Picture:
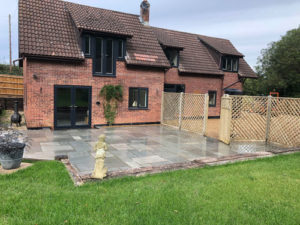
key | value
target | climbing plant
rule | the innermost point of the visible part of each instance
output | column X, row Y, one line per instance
column 112, row 95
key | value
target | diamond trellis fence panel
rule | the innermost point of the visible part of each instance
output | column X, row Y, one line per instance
column 252, row 118
column 249, row 118
column 185, row 111
column 285, row 122
column 193, row 113
column 170, row 109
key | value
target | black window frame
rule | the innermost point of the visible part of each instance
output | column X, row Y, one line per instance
column 123, row 49
column 89, row 54
column 174, row 88
column 166, row 50
column 231, row 58
column 138, row 103
column 215, row 93
column 115, row 52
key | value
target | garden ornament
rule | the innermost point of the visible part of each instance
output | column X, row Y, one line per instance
column 100, row 148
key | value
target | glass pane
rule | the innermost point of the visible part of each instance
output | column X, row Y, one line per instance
column 235, row 64
column 212, row 98
column 143, row 98
column 120, row 49
column 224, row 63
column 82, row 112
column 63, row 107
column 87, row 45
column 98, row 60
column 133, row 97
column 109, row 56
column 229, row 65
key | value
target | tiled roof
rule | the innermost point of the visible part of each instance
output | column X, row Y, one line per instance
column 95, row 19
column 167, row 39
column 51, row 28
column 221, row 45
column 143, row 41
column 45, row 29
column 195, row 57
column 245, row 70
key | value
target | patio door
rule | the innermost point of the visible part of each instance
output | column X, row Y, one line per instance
column 72, row 107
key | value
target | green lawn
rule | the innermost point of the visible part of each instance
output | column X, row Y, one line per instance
column 265, row 191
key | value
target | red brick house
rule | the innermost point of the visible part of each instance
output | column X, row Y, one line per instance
column 71, row 51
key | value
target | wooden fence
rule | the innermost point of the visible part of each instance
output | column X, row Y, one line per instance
column 11, row 86
column 185, row 111
column 255, row 118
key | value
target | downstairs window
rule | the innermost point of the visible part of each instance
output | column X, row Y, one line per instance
column 138, row 98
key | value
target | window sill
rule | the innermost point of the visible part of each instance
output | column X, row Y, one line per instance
column 104, row 75
column 212, row 106
column 137, row 108
column 230, row 71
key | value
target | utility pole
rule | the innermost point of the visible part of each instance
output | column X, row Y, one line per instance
column 10, row 59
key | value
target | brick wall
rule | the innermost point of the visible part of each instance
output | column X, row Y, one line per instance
column 230, row 78
column 39, row 93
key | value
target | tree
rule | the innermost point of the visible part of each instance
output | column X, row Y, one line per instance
column 278, row 68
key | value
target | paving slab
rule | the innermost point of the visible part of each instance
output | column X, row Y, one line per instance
column 135, row 147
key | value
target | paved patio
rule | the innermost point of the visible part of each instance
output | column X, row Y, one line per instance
column 132, row 147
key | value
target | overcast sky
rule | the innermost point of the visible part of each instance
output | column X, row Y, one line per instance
column 250, row 25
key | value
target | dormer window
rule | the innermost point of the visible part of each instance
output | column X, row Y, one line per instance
column 87, row 45
column 173, row 56
column 230, row 63
column 105, row 51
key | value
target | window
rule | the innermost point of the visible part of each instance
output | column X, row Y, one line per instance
column 104, row 61
column 98, row 56
column 178, row 88
column 230, row 63
column 120, row 49
column 173, row 56
column 109, row 56
column 104, row 51
column 212, row 98
column 138, row 98
column 87, row 45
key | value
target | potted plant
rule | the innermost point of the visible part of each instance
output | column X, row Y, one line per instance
column 12, row 144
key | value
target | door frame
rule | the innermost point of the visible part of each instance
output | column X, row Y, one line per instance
column 73, row 112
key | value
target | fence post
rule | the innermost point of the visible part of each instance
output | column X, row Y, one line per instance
column 206, row 99
column 269, row 109
column 180, row 110
column 162, row 108
column 225, row 121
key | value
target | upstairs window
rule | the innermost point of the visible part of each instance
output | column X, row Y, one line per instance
column 173, row 56
column 87, row 45
column 230, row 63
column 121, row 49
column 104, row 51
column 138, row 98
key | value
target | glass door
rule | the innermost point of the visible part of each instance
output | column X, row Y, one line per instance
column 82, row 106
column 72, row 107
column 63, row 107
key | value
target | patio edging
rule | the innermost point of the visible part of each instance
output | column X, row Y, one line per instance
column 198, row 163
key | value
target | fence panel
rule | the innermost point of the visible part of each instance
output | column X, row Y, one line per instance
column 249, row 118
column 11, row 86
column 274, row 120
column 185, row 111
column 193, row 113
column 285, row 122
column 170, row 109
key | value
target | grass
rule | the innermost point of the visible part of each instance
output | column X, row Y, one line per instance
column 265, row 191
